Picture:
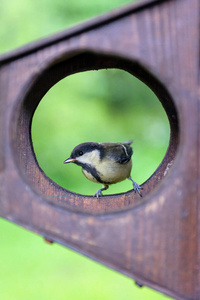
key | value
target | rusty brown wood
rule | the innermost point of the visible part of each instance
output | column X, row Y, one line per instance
column 156, row 240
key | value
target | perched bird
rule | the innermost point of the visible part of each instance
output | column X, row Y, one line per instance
column 105, row 163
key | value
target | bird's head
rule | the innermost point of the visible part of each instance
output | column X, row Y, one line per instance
column 86, row 153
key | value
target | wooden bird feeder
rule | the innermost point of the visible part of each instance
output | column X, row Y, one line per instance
column 154, row 241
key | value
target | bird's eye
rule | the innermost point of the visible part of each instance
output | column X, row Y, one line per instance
column 80, row 153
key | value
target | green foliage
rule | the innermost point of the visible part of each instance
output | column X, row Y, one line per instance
column 93, row 106
column 24, row 21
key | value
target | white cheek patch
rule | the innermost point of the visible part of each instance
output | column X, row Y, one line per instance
column 92, row 157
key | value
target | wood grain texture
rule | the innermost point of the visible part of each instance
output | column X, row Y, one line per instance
column 156, row 240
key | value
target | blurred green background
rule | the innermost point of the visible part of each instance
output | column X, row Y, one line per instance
column 99, row 106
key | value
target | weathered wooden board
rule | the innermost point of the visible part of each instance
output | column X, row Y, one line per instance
column 156, row 240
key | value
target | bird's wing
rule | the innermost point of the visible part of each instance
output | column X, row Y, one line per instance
column 121, row 153
column 126, row 153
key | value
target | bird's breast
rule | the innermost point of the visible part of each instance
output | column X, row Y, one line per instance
column 109, row 172
column 90, row 176
column 114, row 172
column 104, row 170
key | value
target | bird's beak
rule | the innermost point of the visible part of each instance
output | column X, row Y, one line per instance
column 69, row 160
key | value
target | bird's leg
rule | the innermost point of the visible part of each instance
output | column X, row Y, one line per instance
column 136, row 186
column 99, row 192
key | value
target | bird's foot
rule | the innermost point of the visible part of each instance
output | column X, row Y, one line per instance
column 136, row 187
column 98, row 193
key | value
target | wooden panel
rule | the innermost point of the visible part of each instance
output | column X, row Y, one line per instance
column 154, row 240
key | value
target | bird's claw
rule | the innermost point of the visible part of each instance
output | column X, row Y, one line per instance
column 98, row 194
column 136, row 187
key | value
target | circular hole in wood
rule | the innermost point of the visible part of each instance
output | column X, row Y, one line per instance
column 99, row 106
column 110, row 105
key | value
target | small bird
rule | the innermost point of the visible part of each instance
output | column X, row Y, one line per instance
column 105, row 163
